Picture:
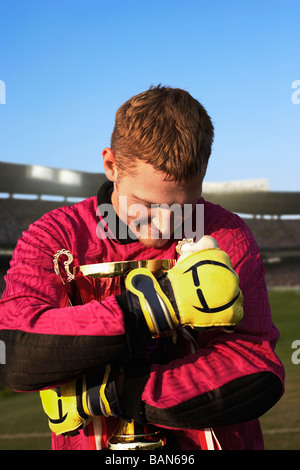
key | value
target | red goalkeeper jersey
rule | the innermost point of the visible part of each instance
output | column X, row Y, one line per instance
column 207, row 390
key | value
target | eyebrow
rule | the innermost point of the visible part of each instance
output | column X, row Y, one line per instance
column 149, row 203
column 143, row 201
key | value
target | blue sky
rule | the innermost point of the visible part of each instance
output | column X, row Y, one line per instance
column 68, row 65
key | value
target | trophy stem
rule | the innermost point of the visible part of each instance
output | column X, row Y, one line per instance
column 132, row 436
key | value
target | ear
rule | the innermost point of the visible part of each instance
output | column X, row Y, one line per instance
column 109, row 163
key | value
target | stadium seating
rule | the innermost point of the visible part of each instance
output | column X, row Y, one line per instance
column 277, row 236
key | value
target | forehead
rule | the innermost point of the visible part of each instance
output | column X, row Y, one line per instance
column 149, row 186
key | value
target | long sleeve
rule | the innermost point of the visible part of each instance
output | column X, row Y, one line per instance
column 47, row 341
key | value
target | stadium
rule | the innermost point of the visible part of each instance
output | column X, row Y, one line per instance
column 29, row 191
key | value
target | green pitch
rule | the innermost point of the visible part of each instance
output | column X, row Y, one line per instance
column 281, row 425
column 23, row 424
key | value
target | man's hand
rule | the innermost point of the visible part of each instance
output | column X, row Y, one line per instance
column 70, row 406
column 201, row 290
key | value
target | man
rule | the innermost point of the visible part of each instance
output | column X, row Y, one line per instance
column 122, row 346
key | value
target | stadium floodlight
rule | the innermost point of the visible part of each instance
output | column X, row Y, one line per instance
column 75, row 199
column 25, row 196
column 41, row 172
column 69, row 177
column 50, row 197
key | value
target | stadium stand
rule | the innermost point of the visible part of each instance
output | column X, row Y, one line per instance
column 29, row 191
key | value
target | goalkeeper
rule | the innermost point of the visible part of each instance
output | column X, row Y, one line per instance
column 159, row 352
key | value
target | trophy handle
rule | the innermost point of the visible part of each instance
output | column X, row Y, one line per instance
column 67, row 263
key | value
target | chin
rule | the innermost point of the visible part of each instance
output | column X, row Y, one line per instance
column 154, row 243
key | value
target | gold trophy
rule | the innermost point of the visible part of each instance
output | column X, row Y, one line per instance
column 89, row 282
column 133, row 436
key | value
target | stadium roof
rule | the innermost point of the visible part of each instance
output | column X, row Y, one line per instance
column 259, row 202
column 42, row 180
column 245, row 197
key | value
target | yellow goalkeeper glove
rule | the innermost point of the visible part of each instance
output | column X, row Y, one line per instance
column 201, row 290
column 71, row 406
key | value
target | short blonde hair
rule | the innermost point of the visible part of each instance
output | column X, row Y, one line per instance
column 167, row 128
